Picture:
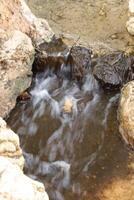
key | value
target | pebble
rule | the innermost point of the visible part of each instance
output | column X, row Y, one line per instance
column 114, row 36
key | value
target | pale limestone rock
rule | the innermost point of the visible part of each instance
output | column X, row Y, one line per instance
column 9, row 145
column 130, row 25
column 16, row 57
column 17, row 48
column 126, row 113
column 68, row 105
column 40, row 30
column 3, row 124
column 131, row 6
column 15, row 15
column 130, row 22
column 14, row 185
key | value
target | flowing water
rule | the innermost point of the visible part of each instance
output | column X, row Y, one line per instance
column 75, row 153
column 72, row 153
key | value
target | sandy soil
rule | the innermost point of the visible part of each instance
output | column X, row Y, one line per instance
column 93, row 21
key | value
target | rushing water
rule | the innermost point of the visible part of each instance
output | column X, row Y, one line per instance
column 78, row 153
column 71, row 153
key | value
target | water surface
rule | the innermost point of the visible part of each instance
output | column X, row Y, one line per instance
column 74, row 154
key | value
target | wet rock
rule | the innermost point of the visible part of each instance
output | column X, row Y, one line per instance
column 23, row 97
column 51, row 60
column 16, row 57
column 70, row 63
column 80, row 62
column 47, row 62
column 14, row 185
column 111, row 70
column 9, row 145
column 131, row 67
column 126, row 113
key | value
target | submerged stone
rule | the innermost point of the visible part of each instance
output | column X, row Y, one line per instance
column 68, row 105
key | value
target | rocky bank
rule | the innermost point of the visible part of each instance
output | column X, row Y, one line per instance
column 14, row 185
column 20, row 32
column 126, row 104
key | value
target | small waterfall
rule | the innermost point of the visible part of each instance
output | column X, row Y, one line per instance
column 62, row 129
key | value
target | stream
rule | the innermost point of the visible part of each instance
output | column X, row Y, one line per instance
column 69, row 134
column 72, row 153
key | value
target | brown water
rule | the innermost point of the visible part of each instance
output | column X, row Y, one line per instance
column 92, row 20
column 74, row 154
column 81, row 154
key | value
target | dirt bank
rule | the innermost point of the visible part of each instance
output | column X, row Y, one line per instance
column 99, row 21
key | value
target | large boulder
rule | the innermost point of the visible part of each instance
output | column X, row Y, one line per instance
column 17, row 22
column 14, row 185
column 126, row 113
column 16, row 15
column 9, row 145
column 39, row 29
column 16, row 57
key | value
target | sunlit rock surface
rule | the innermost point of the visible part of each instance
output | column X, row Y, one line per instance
column 20, row 32
column 9, row 145
column 39, row 28
column 130, row 22
column 14, row 185
column 16, row 57
column 130, row 25
column 126, row 113
column 131, row 6
column 15, row 15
